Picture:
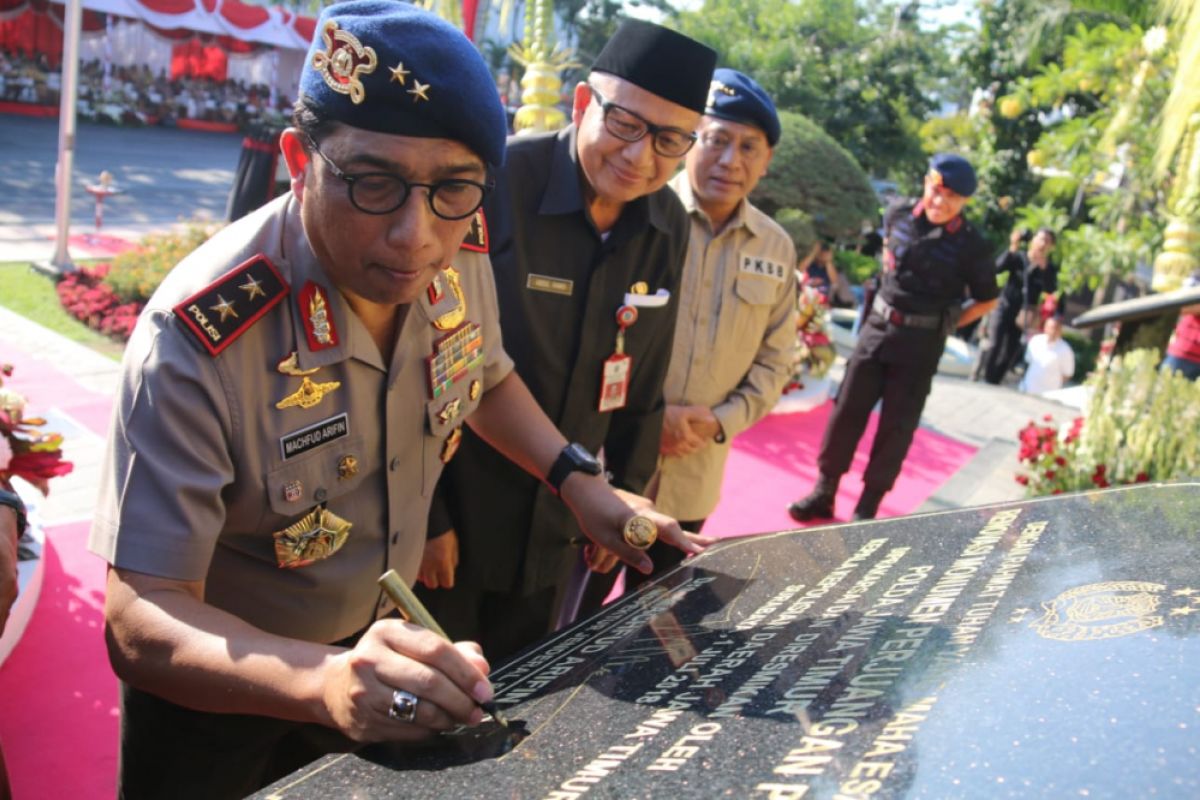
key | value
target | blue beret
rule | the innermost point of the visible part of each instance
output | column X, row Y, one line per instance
column 955, row 172
column 390, row 67
column 738, row 98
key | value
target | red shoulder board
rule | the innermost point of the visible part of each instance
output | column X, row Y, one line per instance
column 225, row 309
column 477, row 237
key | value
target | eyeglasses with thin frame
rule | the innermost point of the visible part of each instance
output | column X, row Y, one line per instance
column 631, row 127
column 381, row 193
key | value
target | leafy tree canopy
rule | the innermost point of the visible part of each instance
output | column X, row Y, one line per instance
column 811, row 173
column 861, row 69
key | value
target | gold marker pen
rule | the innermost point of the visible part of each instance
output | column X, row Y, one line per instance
column 413, row 611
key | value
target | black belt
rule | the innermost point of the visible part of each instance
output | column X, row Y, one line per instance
column 892, row 315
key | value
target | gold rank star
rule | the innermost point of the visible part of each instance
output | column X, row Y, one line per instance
column 253, row 287
column 1184, row 611
column 399, row 73
column 224, row 308
column 1184, row 592
column 418, row 91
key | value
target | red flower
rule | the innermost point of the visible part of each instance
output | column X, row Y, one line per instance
column 1023, row 480
column 1057, row 491
column 1047, row 417
column 1142, row 477
column 1101, row 469
column 1062, row 462
column 1050, row 474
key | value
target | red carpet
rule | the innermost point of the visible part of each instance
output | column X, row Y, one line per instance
column 775, row 462
column 59, row 726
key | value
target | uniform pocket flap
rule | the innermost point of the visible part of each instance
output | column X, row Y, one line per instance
column 756, row 290
column 323, row 474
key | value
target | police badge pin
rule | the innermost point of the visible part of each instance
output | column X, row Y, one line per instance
column 455, row 316
column 347, row 467
column 316, row 536
column 451, row 445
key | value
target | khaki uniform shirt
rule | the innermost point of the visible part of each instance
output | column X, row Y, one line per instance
column 734, row 341
column 203, row 468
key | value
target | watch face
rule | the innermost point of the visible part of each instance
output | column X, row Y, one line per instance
column 583, row 460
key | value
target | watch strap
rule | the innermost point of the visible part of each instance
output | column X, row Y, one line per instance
column 566, row 463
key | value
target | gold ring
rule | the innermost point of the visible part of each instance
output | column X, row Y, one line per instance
column 640, row 532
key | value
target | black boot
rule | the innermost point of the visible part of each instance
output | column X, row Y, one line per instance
column 819, row 502
column 868, row 504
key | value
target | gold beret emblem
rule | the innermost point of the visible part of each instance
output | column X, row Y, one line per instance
column 343, row 60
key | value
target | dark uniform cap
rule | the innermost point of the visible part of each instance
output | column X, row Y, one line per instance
column 661, row 61
column 955, row 172
column 390, row 67
column 738, row 98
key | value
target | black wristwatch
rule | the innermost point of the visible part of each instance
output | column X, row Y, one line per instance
column 573, row 458
column 13, row 501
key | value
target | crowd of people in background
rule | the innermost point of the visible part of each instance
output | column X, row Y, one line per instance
column 135, row 95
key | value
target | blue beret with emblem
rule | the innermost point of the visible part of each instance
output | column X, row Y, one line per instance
column 391, row 67
column 738, row 98
column 954, row 172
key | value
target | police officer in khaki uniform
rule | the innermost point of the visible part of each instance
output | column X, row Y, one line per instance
column 290, row 397
column 736, row 332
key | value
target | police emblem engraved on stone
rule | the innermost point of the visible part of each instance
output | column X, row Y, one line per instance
column 317, row 535
column 640, row 532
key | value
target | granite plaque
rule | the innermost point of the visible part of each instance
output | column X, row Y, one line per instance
column 1040, row 649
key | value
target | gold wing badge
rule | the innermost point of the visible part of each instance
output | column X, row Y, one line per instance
column 310, row 392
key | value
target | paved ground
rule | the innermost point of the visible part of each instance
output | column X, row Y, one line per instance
column 166, row 175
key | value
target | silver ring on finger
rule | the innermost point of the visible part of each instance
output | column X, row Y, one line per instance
column 404, row 706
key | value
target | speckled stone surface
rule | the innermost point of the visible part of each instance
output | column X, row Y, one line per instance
column 1041, row 649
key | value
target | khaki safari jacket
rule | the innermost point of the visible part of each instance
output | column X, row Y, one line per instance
column 734, row 342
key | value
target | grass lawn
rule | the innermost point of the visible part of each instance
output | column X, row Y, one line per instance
column 31, row 294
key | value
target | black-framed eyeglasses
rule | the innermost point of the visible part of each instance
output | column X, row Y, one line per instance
column 381, row 193
column 630, row 127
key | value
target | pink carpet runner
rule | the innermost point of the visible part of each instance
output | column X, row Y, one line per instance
column 59, row 721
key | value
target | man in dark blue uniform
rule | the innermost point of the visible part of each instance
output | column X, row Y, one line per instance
column 933, row 258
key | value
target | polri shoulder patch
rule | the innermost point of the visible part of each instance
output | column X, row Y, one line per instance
column 225, row 309
column 477, row 236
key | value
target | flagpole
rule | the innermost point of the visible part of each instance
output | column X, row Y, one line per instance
column 72, row 25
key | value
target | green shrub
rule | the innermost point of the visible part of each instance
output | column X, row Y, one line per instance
column 799, row 225
column 1086, row 351
column 855, row 267
column 135, row 274
column 813, row 173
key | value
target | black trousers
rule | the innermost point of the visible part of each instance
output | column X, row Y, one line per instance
column 1004, row 344
column 503, row 623
column 171, row 751
column 903, row 389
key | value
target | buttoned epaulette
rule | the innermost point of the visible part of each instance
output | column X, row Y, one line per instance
column 477, row 237
column 225, row 309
